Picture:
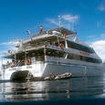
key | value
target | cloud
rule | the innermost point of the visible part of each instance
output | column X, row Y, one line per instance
column 53, row 21
column 96, row 37
column 70, row 18
column 102, row 36
column 101, row 7
column 99, row 47
column 99, row 24
column 8, row 46
column 91, row 36
column 67, row 20
column 11, row 42
column 98, row 43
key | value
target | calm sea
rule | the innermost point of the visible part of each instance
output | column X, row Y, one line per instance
column 68, row 89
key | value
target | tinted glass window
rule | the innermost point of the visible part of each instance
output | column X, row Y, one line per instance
column 54, row 53
column 82, row 58
column 80, row 47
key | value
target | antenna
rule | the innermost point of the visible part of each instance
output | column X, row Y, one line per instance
column 75, row 28
column 59, row 20
column 29, row 33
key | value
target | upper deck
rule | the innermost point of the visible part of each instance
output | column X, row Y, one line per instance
column 50, row 38
column 56, row 35
column 49, row 43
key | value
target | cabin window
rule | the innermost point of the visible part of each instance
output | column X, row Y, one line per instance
column 54, row 53
column 39, row 58
column 73, row 56
column 70, row 56
column 80, row 47
column 83, row 58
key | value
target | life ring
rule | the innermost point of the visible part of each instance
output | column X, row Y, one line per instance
column 27, row 61
column 12, row 64
column 61, row 45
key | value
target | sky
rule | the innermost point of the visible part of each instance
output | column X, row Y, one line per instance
column 86, row 17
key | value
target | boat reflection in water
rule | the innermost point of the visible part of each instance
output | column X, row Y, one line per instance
column 40, row 90
column 53, row 90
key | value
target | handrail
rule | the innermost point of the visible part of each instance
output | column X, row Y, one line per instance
column 19, row 63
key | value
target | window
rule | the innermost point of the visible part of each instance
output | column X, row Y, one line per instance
column 55, row 53
column 83, row 58
column 80, row 47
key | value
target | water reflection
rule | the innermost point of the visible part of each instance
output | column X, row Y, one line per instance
column 46, row 90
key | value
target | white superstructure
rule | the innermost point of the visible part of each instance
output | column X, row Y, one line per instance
column 50, row 53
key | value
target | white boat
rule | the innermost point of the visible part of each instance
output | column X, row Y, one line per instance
column 52, row 52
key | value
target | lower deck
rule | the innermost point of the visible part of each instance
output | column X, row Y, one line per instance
column 55, row 67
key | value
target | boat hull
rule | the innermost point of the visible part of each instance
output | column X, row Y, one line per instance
column 41, row 70
column 75, row 70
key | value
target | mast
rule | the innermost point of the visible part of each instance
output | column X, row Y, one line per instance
column 59, row 25
column 59, row 20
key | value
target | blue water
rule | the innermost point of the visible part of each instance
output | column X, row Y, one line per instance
column 68, row 89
